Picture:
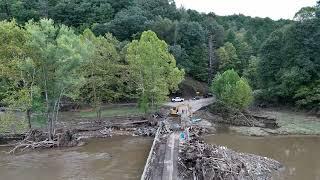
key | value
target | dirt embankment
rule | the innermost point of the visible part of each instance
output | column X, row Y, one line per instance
column 189, row 87
column 262, row 121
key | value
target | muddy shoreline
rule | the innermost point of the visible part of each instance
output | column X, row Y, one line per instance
column 84, row 129
column 273, row 122
column 78, row 133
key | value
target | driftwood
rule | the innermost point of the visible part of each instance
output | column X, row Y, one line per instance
column 241, row 118
column 201, row 161
column 37, row 139
column 98, row 127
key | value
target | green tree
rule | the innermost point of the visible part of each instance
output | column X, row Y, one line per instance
column 153, row 69
column 251, row 72
column 232, row 90
column 290, row 62
column 82, row 13
column 103, row 71
column 308, row 96
column 191, row 37
column 17, row 70
column 59, row 54
column 214, row 37
column 126, row 24
column 228, row 58
column 244, row 52
column 305, row 13
column 162, row 8
column 164, row 28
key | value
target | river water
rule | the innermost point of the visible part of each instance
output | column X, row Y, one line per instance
column 117, row 158
column 123, row 158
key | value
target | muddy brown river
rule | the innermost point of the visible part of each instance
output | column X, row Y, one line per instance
column 123, row 158
column 116, row 158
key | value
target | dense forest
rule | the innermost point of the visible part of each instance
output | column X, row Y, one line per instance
column 280, row 59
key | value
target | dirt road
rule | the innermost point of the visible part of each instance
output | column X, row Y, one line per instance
column 194, row 104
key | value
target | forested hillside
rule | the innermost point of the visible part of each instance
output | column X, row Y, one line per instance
column 280, row 59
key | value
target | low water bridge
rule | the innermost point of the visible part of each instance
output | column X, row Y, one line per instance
column 163, row 156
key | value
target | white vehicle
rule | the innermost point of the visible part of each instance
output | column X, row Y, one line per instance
column 177, row 99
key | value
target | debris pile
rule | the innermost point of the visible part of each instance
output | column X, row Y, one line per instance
column 145, row 131
column 241, row 118
column 201, row 161
column 37, row 139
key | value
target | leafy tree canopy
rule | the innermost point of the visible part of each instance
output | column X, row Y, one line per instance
column 232, row 90
column 153, row 69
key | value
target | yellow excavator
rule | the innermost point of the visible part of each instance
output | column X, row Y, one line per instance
column 181, row 109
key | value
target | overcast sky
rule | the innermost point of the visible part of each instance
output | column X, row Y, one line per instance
column 275, row 9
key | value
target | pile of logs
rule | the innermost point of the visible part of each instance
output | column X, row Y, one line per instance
column 242, row 118
column 37, row 139
column 201, row 161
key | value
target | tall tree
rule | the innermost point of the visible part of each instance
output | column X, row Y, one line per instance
column 290, row 63
column 162, row 8
column 103, row 71
column 305, row 13
column 153, row 69
column 17, row 70
column 215, row 33
column 81, row 13
column 59, row 54
column 232, row 90
column 228, row 58
column 126, row 24
column 164, row 28
column 191, row 37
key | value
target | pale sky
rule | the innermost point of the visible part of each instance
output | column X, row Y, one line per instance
column 275, row 9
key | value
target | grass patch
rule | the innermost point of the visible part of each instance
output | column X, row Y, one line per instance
column 114, row 111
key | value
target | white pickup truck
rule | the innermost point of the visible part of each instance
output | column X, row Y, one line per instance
column 177, row 99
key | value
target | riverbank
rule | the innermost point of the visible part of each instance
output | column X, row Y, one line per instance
column 70, row 134
column 129, row 121
column 288, row 123
column 117, row 120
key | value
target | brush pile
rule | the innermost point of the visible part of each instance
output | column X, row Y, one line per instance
column 37, row 139
column 200, row 161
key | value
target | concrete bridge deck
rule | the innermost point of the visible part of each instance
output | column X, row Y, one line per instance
column 163, row 157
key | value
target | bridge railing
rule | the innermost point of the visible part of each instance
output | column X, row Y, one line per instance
column 149, row 160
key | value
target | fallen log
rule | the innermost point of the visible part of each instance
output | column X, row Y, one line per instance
column 201, row 161
column 37, row 139
column 97, row 127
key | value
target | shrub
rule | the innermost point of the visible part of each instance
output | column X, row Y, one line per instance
column 232, row 90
